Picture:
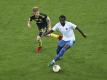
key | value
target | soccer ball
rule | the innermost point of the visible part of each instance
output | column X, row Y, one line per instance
column 56, row 68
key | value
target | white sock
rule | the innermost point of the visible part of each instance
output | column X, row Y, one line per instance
column 53, row 61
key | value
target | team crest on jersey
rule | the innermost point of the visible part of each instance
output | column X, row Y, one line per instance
column 66, row 28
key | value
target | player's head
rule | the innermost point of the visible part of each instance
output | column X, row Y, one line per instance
column 62, row 19
column 35, row 11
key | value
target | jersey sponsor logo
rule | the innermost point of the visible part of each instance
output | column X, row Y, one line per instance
column 40, row 19
column 36, row 19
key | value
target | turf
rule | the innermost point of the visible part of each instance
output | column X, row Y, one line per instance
column 86, row 60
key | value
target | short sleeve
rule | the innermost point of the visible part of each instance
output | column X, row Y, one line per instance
column 43, row 15
column 55, row 27
column 73, row 25
column 31, row 18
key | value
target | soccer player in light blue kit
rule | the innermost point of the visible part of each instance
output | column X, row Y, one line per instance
column 66, row 28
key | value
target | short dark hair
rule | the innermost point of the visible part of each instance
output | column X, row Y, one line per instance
column 62, row 16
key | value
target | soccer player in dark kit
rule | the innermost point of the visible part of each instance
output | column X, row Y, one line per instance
column 43, row 23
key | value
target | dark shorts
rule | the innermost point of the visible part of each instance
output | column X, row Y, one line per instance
column 42, row 31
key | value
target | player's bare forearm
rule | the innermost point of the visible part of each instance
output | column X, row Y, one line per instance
column 29, row 24
column 83, row 34
column 49, row 26
column 49, row 23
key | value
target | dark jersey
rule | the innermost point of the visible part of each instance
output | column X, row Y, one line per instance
column 41, row 21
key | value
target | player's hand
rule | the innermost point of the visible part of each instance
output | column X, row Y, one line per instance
column 29, row 25
column 84, row 35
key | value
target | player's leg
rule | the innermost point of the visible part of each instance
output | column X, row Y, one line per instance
column 39, row 41
column 61, row 53
column 59, row 37
column 61, row 43
column 58, row 49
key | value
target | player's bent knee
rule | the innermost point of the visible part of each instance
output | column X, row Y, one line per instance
column 66, row 47
column 38, row 38
column 40, row 34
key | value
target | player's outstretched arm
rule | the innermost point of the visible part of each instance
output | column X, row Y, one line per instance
column 49, row 32
column 49, row 23
column 83, row 34
column 29, row 24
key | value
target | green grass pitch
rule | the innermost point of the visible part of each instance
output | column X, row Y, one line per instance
column 86, row 60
